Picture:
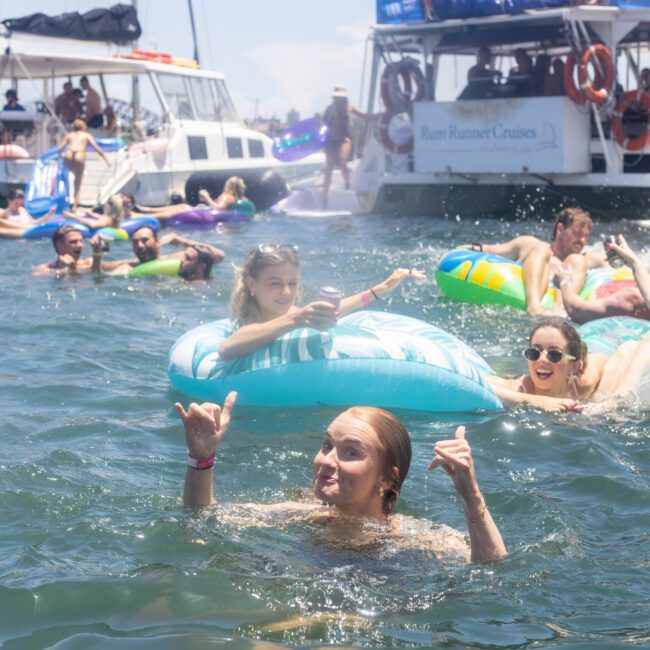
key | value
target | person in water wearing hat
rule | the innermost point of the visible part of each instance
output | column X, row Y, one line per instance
column 12, row 101
column 339, row 139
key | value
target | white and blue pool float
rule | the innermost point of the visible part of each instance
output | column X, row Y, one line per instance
column 369, row 358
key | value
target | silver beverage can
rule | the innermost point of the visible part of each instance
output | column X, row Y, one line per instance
column 331, row 295
column 614, row 259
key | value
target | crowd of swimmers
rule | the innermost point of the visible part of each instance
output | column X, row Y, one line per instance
column 365, row 455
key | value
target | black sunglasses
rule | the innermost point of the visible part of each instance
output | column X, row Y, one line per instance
column 552, row 354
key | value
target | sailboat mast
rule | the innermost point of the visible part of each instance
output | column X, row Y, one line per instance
column 196, row 46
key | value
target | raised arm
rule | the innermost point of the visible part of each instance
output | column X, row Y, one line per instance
column 174, row 239
column 455, row 456
column 378, row 291
column 319, row 315
column 205, row 426
column 641, row 274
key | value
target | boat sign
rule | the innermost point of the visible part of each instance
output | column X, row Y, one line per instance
column 545, row 135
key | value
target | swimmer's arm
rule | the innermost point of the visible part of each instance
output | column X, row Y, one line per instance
column 455, row 457
column 204, row 195
column 513, row 249
column 249, row 338
column 510, row 398
column 378, row 291
column 100, row 222
column 580, row 310
column 641, row 274
column 205, row 426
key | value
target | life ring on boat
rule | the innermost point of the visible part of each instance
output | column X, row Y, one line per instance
column 487, row 279
column 148, row 55
column 372, row 358
column 12, row 152
column 572, row 89
column 398, row 98
column 599, row 90
column 400, row 145
column 630, row 98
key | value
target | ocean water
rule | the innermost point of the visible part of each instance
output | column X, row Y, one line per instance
column 99, row 552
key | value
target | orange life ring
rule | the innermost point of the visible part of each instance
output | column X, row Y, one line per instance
column 599, row 90
column 398, row 99
column 631, row 97
column 12, row 152
column 387, row 141
column 572, row 90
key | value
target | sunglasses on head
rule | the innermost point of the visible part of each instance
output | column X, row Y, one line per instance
column 552, row 354
column 272, row 248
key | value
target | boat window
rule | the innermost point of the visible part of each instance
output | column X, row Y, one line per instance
column 175, row 89
column 255, row 149
column 197, row 147
column 227, row 111
column 203, row 99
column 235, row 149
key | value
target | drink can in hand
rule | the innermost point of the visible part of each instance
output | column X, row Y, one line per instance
column 614, row 259
column 331, row 295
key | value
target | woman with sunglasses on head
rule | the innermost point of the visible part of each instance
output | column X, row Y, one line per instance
column 265, row 292
column 562, row 375
column 357, row 476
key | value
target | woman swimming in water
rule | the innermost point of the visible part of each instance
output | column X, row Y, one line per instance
column 562, row 375
column 234, row 189
column 74, row 156
column 265, row 292
column 357, row 477
column 111, row 218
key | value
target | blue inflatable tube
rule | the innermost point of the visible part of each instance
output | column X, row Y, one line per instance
column 369, row 358
column 47, row 229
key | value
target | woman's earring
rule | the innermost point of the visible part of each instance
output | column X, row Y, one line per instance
column 380, row 491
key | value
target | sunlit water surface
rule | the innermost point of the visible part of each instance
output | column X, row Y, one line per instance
column 99, row 552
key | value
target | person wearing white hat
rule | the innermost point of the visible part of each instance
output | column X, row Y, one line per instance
column 339, row 139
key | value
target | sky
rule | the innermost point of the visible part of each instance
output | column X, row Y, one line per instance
column 277, row 55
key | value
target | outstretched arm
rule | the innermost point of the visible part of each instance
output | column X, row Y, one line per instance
column 319, row 315
column 641, row 274
column 455, row 456
column 174, row 239
column 378, row 291
column 92, row 220
column 205, row 426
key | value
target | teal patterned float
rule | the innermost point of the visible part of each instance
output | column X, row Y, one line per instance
column 487, row 279
column 606, row 334
column 369, row 358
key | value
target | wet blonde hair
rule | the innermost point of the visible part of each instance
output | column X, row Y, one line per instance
column 243, row 306
column 114, row 208
column 394, row 449
column 235, row 186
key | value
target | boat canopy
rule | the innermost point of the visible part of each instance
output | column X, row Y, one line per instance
column 543, row 28
column 119, row 24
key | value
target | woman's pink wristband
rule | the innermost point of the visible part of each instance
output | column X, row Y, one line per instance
column 365, row 298
column 200, row 463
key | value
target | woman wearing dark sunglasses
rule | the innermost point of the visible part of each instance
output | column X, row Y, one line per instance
column 561, row 375
column 265, row 293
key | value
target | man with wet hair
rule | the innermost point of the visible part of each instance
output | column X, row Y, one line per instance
column 68, row 243
column 146, row 246
column 540, row 260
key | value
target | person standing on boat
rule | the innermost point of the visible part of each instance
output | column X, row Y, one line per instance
column 571, row 233
column 339, row 138
column 12, row 101
column 73, row 152
column 93, row 111
column 66, row 105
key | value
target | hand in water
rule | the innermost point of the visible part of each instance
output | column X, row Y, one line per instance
column 205, row 425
